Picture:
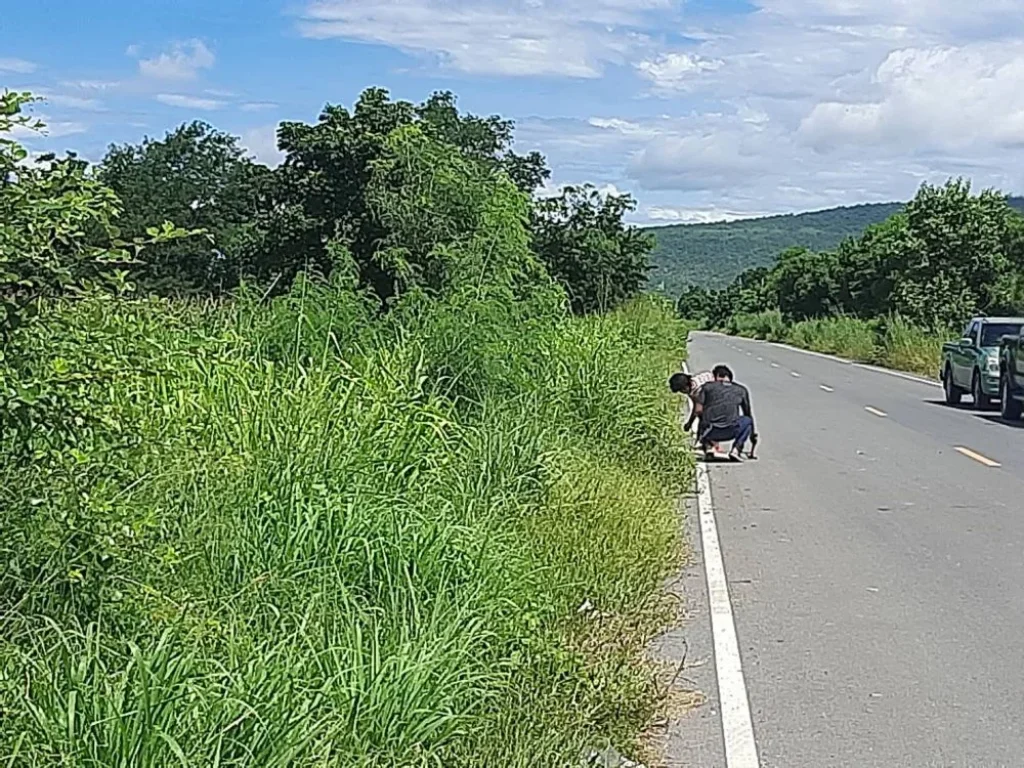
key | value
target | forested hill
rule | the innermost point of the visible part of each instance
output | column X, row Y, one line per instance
column 712, row 255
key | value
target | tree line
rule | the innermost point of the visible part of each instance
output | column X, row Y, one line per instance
column 267, row 225
column 948, row 255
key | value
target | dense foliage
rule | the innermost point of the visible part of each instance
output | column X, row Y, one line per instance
column 270, row 225
column 280, row 527
column 949, row 255
column 713, row 255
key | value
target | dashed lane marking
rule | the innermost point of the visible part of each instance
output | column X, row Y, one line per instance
column 978, row 457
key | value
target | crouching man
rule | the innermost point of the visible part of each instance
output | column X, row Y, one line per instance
column 725, row 414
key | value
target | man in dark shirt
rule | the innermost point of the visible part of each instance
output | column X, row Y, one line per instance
column 725, row 413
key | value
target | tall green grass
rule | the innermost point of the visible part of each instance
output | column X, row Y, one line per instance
column 909, row 348
column 844, row 336
column 297, row 534
column 891, row 342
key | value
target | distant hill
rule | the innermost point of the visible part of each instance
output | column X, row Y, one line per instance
column 713, row 254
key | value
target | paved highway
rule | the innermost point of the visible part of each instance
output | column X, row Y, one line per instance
column 875, row 561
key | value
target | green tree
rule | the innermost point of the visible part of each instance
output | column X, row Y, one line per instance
column 320, row 191
column 957, row 254
column 804, row 283
column 581, row 236
column 196, row 176
column 454, row 225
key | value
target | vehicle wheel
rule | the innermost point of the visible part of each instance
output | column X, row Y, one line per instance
column 953, row 392
column 1011, row 407
column 981, row 400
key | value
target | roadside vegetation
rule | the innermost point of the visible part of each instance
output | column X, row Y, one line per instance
column 328, row 472
column 890, row 296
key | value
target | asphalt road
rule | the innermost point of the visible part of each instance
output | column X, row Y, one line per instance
column 876, row 571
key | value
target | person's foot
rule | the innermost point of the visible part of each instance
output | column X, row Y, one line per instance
column 735, row 456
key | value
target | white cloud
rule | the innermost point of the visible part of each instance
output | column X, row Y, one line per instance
column 258, row 106
column 261, row 143
column 676, row 71
column 704, row 215
column 90, row 85
column 943, row 98
column 53, row 129
column 182, row 62
column 189, row 102
column 65, row 100
column 17, row 66
column 572, row 38
column 799, row 104
column 624, row 127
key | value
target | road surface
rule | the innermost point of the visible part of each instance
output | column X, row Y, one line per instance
column 874, row 556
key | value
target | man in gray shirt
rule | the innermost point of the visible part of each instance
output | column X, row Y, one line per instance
column 725, row 414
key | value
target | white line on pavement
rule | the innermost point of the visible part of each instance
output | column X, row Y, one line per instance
column 794, row 374
column 875, row 411
column 737, row 725
column 978, row 457
column 898, row 374
column 833, row 358
column 733, row 702
column 844, row 361
column 827, row 389
column 775, row 365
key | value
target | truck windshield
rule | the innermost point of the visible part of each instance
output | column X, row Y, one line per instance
column 991, row 334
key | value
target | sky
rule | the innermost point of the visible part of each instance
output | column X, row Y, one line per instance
column 701, row 109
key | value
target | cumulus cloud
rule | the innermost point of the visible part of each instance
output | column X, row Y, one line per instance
column 261, row 144
column 189, row 102
column 676, row 71
column 572, row 38
column 943, row 98
column 182, row 62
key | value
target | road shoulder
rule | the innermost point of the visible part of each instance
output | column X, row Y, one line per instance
column 690, row 734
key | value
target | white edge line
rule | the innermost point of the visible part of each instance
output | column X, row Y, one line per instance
column 844, row 361
column 898, row 374
column 733, row 702
column 833, row 358
column 875, row 412
column 826, row 388
column 794, row 374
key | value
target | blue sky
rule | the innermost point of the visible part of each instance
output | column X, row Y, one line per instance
column 702, row 109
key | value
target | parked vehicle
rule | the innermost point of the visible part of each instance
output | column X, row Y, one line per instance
column 971, row 365
column 1011, row 376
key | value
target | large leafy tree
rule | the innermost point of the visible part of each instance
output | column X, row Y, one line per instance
column 583, row 240
column 320, row 193
column 804, row 283
column 957, row 255
column 196, row 176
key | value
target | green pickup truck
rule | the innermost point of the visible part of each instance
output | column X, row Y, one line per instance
column 971, row 365
column 1011, row 376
